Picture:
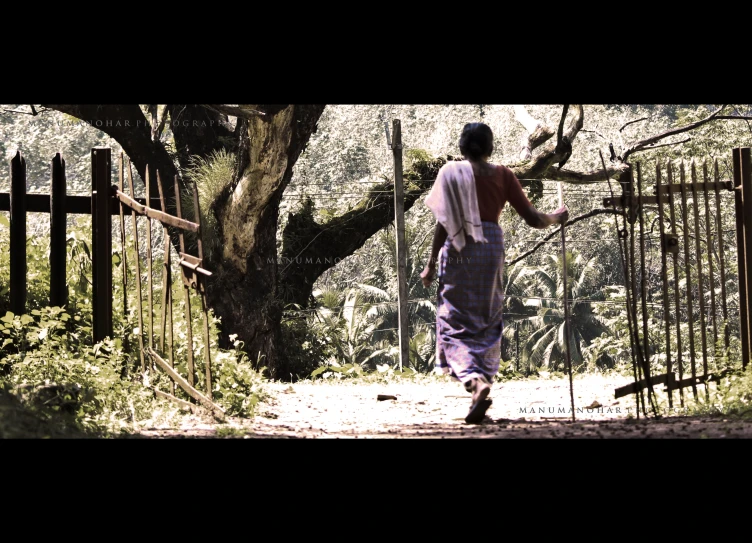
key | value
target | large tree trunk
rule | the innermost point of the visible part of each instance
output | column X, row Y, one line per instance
column 243, row 290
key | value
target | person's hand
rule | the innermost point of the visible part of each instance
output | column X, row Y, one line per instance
column 428, row 274
column 562, row 214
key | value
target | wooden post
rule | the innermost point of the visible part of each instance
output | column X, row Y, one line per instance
column 58, row 284
column 399, row 216
column 101, row 258
column 745, row 167
column 18, row 234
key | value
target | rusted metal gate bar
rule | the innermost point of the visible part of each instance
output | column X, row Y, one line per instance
column 632, row 282
column 644, row 287
column 167, row 288
column 193, row 277
column 711, row 270
column 186, row 288
column 138, row 269
column 645, row 354
column 667, row 245
column 216, row 410
column 123, row 251
column 700, row 274
column 721, row 259
column 149, row 273
column 673, row 244
column 197, row 278
column 688, row 276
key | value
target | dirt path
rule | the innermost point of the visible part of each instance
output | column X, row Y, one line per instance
column 520, row 410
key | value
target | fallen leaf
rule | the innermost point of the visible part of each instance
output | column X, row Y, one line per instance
column 382, row 397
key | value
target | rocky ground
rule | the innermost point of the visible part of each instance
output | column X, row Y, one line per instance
column 522, row 409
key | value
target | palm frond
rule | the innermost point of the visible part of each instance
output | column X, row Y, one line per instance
column 374, row 292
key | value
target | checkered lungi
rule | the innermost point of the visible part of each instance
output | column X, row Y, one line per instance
column 469, row 310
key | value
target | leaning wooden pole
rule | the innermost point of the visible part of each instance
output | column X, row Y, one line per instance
column 567, row 329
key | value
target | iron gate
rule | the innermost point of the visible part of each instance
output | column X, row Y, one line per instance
column 692, row 327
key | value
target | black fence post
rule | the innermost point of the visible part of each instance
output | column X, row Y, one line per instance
column 101, row 226
column 18, row 234
column 58, row 219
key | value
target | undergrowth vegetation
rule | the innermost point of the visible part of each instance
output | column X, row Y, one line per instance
column 52, row 368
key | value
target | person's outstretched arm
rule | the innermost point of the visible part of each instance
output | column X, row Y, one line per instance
column 429, row 272
column 538, row 219
column 527, row 211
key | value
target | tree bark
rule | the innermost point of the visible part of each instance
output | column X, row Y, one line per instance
column 243, row 290
column 310, row 248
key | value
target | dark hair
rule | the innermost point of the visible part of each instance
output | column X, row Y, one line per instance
column 476, row 141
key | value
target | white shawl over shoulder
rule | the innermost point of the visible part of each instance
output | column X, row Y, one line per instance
column 454, row 203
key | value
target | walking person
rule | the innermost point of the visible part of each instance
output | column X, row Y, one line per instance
column 467, row 256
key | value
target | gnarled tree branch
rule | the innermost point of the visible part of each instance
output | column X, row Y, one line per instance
column 537, row 133
column 632, row 122
column 653, row 139
column 570, row 222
